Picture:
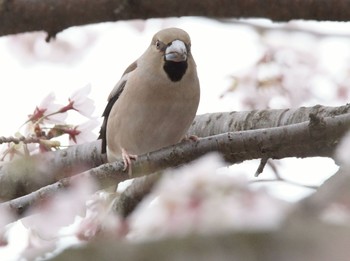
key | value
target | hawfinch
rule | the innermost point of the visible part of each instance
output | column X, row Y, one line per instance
column 155, row 101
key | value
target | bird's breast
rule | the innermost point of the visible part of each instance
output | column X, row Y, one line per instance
column 158, row 116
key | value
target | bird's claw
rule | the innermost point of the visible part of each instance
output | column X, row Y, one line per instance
column 190, row 138
column 127, row 160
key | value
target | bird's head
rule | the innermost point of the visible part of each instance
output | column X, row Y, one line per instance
column 173, row 45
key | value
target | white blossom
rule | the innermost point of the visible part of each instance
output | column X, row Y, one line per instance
column 81, row 102
column 199, row 199
column 84, row 132
column 48, row 108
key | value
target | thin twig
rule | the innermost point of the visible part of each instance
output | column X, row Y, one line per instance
column 261, row 167
column 25, row 140
column 285, row 181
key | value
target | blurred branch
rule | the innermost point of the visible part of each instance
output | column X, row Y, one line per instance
column 54, row 16
column 291, row 27
column 299, row 241
column 105, row 175
column 133, row 194
column 334, row 191
column 318, row 137
column 22, row 176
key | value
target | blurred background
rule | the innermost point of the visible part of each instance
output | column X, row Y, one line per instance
column 242, row 65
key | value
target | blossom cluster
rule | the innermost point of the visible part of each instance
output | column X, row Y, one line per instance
column 287, row 74
column 204, row 197
column 46, row 127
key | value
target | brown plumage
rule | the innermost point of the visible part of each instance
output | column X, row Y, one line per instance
column 155, row 101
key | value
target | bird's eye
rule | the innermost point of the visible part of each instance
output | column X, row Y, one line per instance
column 158, row 44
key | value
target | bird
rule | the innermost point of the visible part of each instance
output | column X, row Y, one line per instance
column 155, row 101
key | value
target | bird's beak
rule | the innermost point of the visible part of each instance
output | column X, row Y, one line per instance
column 176, row 52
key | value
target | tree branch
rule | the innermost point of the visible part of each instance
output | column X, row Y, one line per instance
column 302, row 240
column 335, row 190
column 318, row 137
column 133, row 194
column 220, row 122
column 20, row 177
column 53, row 16
column 24, row 175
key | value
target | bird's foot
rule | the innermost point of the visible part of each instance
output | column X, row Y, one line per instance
column 127, row 160
column 190, row 138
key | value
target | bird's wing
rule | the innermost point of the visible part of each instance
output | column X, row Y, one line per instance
column 112, row 98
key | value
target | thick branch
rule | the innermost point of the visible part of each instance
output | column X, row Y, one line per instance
column 53, row 16
column 28, row 174
column 220, row 122
column 318, row 137
column 301, row 241
column 21, row 177
column 133, row 194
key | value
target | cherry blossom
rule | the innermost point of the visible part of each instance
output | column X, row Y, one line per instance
column 61, row 209
column 80, row 102
column 47, row 111
column 205, row 199
column 5, row 218
column 82, row 133
column 48, row 122
column 100, row 218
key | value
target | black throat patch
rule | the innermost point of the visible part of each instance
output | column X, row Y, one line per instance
column 175, row 70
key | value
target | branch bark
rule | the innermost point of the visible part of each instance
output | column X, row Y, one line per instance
column 52, row 16
column 215, row 123
column 134, row 194
column 312, row 241
column 318, row 137
column 24, row 176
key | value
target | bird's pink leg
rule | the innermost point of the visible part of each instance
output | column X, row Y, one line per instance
column 127, row 159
